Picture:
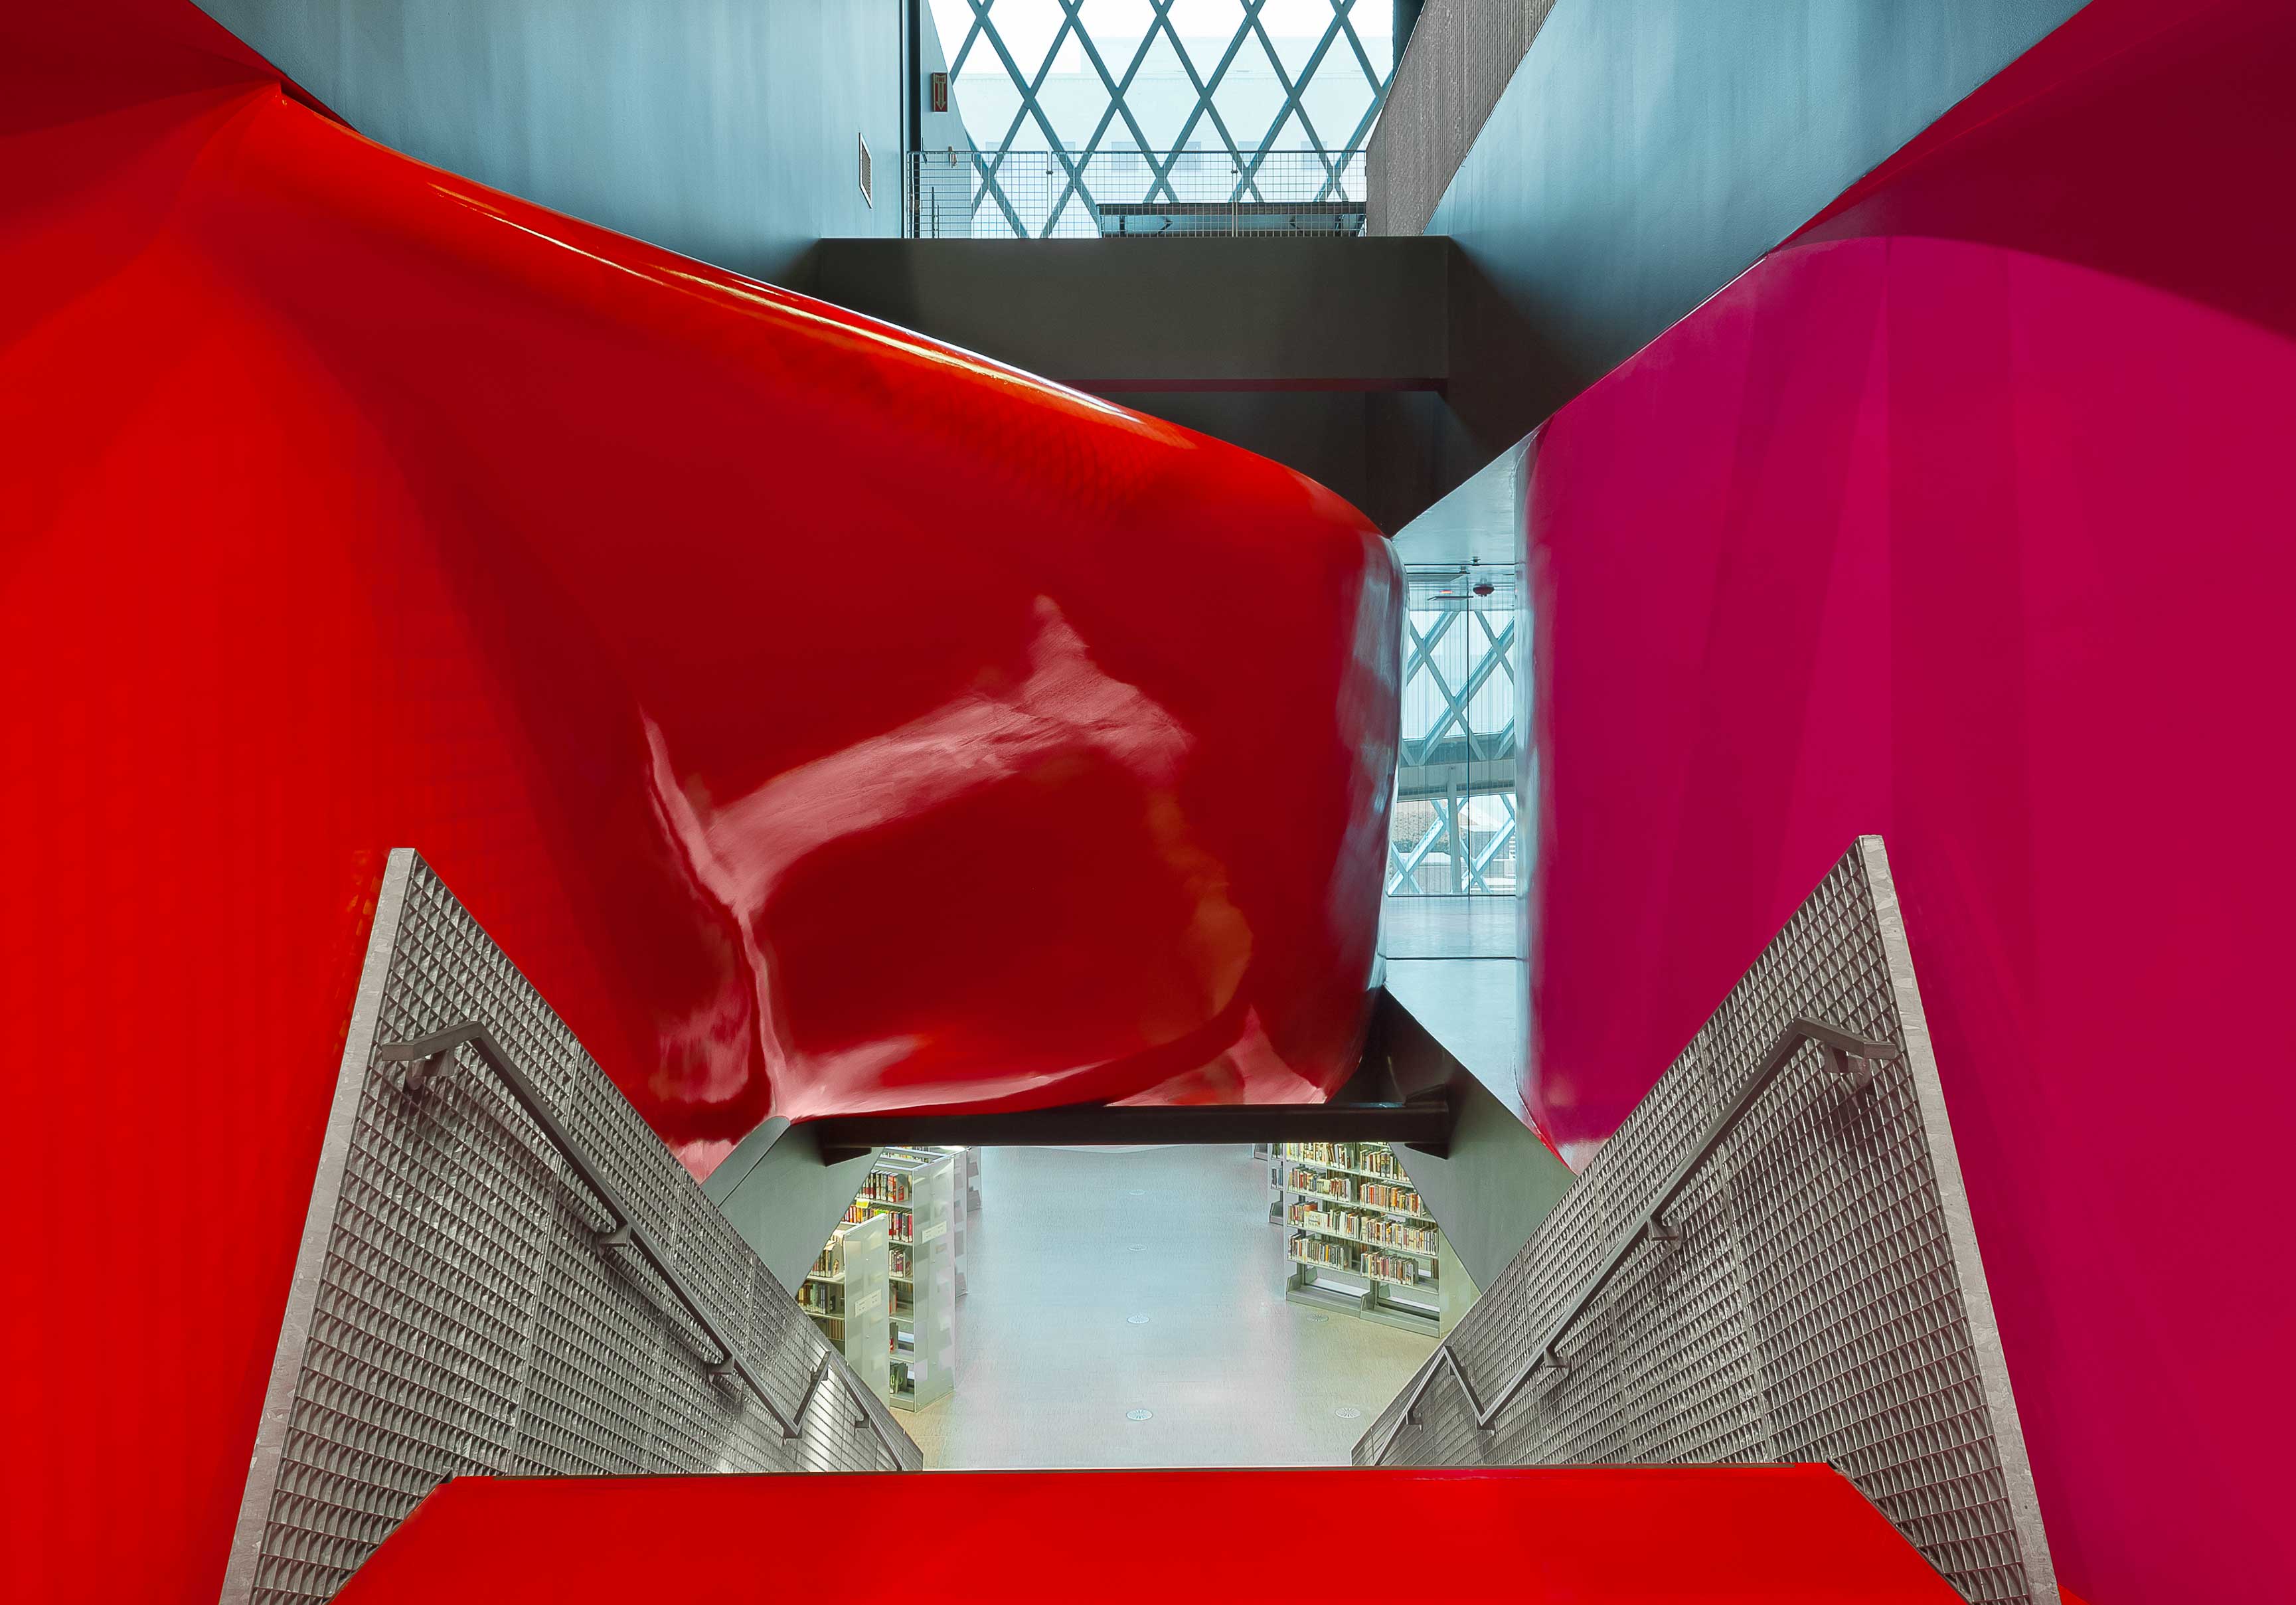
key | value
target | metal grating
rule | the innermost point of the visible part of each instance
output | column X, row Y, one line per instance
column 1822, row 1301
column 452, row 1312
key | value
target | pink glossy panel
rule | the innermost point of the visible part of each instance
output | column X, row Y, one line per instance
column 824, row 719
column 1964, row 518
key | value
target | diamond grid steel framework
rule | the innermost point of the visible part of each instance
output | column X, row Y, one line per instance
column 1449, row 832
column 1490, row 655
column 1487, row 649
column 1247, row 161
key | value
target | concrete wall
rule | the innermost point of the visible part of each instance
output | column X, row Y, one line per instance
column 726, row 129
column 1443, row 89
column 1647, row 151
column 1324, row 355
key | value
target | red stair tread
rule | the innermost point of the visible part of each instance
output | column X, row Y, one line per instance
column 1769, row 1532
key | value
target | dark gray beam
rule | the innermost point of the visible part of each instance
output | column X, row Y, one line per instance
column 1424, row 1124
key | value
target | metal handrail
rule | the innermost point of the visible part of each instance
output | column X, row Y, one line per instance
column 1848, row 1055
column 426, row 1056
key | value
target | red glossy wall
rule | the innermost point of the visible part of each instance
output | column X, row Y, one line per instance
column 1965, row 518
column 824, row 719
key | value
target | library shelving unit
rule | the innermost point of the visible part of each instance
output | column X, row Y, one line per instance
column 1360, row 1239
column 848, row 1294
column 913, row 1191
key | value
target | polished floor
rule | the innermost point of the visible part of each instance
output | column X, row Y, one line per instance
column 1456, row 963
column 1450, row 928
column 1101, row 1284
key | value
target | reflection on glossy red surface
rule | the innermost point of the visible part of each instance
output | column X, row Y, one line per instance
column 1964, row 518
column 1724, row 1536
column 824, row 719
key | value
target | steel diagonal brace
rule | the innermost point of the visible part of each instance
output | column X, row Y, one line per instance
column 1856, row 1059
column 426, row 1060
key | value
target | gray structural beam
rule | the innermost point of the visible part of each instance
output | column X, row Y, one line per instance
column 778, row 1193
column 1424, row 1122
column 1103, row 314
column 1498, row 1181
column 1328, row 355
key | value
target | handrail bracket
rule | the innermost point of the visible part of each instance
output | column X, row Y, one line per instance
column 1856, row 1060
column 426, row 1059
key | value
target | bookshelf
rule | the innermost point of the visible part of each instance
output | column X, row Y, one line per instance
column 912, row 1195
column 848, row 1295
column 1359, row 1238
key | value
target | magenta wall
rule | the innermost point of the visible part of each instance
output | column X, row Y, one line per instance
column 1964, row 518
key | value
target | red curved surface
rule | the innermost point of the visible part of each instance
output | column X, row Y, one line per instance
column 824, row 719
column 1724, row 1536
column 1963, row 518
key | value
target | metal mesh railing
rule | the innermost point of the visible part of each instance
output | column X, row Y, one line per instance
column 506, row 1272
column 1770, row 1260
column 1050, row 194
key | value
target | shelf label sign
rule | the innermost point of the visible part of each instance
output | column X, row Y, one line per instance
column 862, row 1307
column 935, row 1230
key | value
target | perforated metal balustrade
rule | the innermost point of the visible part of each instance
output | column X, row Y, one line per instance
column 1771, row 1260
column 505, row 1272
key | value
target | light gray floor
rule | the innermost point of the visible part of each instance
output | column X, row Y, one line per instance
column 1476, row 1008
column 1456, row 963
column 1068, row 1245
column 1451, row 927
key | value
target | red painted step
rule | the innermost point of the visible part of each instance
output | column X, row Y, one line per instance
column 1773, row 1533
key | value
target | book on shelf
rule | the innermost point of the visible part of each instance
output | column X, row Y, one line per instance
column 1316, row 1181
column 1311, row 1250
column 1370, row 1159
column 1382, row 1196
column 885, row 1187
column 1364, row 1228
column 899, row 1227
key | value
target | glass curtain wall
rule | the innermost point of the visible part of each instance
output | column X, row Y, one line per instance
column 1455, row 826
column 1103, row 102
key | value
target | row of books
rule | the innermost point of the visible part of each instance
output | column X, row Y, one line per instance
column 1381, row 1196
column 901, row 1228
column 886, row 1188
column 1367, row 1228
column 1395, row 1268
column 1339, row 1257
column 1376, row 1158
column 1322, row 1251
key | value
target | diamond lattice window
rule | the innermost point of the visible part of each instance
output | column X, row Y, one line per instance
column 1454, row 828
column 1069, row 107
